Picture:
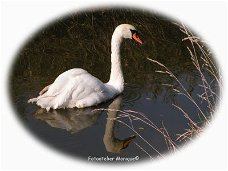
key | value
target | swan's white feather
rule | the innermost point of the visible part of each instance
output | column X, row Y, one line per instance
column 74, row 88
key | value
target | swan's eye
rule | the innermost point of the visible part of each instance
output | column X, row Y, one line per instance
column 134, row 32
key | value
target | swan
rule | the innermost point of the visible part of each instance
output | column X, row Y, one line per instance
column 77, row 88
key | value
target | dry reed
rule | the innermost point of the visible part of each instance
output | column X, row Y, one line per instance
column 137, row 116
column 201, row 60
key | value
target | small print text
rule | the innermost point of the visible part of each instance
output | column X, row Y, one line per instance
column 113, row 159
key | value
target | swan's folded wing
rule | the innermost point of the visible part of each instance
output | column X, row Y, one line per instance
column 70, row 88
column 64, row 81
column 85, row 86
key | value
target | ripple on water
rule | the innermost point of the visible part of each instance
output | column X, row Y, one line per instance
column 131, row 93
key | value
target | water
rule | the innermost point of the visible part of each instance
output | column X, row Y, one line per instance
column 83, row 40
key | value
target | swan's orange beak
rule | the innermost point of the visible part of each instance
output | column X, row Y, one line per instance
column 137, row 39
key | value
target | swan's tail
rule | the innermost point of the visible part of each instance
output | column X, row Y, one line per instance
column 44, row 102
column 33, row 100
column 55, row 102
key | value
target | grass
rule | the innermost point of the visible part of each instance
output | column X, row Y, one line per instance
column 201, row 60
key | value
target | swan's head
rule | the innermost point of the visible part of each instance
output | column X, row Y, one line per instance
column 128, row 31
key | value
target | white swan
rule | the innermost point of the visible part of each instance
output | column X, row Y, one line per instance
column 77, row 88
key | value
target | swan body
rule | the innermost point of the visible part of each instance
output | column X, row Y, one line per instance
column 78, row 88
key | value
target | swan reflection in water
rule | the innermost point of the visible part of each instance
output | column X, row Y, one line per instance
column 113, row 144
column 75, row 120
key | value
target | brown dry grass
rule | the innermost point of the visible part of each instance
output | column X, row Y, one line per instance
column 201, row 59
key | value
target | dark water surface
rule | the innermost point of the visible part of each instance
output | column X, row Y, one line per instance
column 83, row 41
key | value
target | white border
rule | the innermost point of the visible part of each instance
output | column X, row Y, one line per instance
column 19, row 19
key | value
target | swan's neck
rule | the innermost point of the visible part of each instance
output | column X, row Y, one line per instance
column 116, row 76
